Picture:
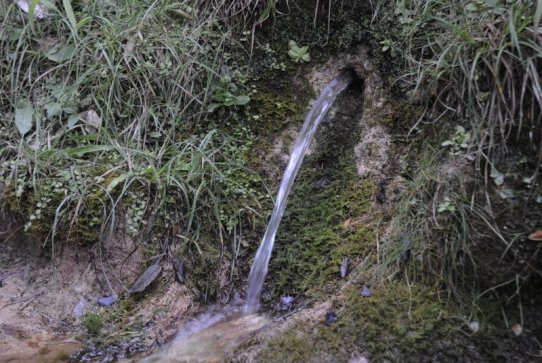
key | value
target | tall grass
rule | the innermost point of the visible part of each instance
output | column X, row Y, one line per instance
column 120, row 134
column 480, row 61
column 477, row 64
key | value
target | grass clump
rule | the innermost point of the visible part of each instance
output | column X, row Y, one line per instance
column 480, row 61
column 106, row 122
column 93, row 323
column 476, row 67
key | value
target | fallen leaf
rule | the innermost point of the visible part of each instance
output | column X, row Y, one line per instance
column 40, row 11
column 92, row 120
column 347, row 223
column 474, row 326
column 517, row 329
column 536, row 235
column 145, row 279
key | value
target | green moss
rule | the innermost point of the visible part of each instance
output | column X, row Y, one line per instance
column 275, row 112
column 396, row 323
column 312, row 242
column 71, row 203
column 93, row 323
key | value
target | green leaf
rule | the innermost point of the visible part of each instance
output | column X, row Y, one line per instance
column 155, row 134
column 306, row 57
column 294, row 55
column 53, row 109
column 24, row 117
column 60, row 54
column 87, row 149
column 116, row 182
column 491, row 3
column 292, row 44
column 83, row 22
column 447, row 143
column 498, row 179
column 69, row 12
column 72, row 120
column 213, row 106
column 242, row 100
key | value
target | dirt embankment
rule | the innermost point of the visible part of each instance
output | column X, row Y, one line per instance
column 43, row 301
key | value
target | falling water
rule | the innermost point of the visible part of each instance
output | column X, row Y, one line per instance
column 314, row 117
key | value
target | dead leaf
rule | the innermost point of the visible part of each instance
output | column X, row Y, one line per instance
column 92, row 120
column 536, row 235
column 474, row 326
column 145, row 279
column 517, row 329
column 40, row 11
column 347, row 223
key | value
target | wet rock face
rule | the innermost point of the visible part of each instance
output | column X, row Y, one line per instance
column 366, row 104
column 372, row 151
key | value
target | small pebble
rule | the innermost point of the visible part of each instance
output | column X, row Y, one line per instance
column 365, row 292
column 107, row 300
column 331, row 317
column 286, row 302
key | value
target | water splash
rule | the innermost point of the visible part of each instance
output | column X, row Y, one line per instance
column 314, row 117
column 213, row 336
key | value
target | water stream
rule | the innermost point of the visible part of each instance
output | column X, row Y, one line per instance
column 217, row 333
column 314, row 117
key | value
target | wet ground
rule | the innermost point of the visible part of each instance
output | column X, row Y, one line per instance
column 28, row 334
